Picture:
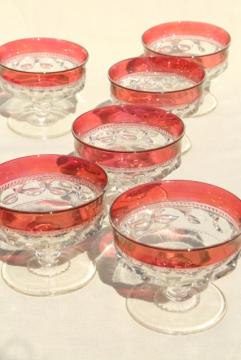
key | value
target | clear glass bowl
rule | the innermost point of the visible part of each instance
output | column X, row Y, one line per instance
column 179, row 236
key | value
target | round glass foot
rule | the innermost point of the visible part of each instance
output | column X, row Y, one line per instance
column 186, row 144
column 200, row 315
column 24, row 128
column 105, row 103
column 208, row 105
column 66, row 277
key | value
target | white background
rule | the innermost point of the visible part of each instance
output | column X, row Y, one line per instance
column 93, row 323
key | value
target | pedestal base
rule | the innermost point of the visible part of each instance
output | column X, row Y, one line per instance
column 208, row 105
column 67, row 277
column 24, row 128
column 186, row 144
column 209, row 309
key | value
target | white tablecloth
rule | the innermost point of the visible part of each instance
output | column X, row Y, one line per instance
column 93, row 323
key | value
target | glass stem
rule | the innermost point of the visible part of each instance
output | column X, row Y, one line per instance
column 47, row 256
column 207, row 86
column 176, row 299
column 48, row 261
column 179, row 294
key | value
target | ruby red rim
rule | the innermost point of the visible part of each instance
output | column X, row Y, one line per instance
column 131, row 108
column 80, row 65
column 151, row 58
column 225, row 46
column 163, row 249
column 80, row 161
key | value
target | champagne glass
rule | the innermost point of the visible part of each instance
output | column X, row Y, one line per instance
column 49, row 204
column 41, row 78
column 173, row 84
column 133, row 144
column 180, row 236
column 204, row 43
column 170, row 83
